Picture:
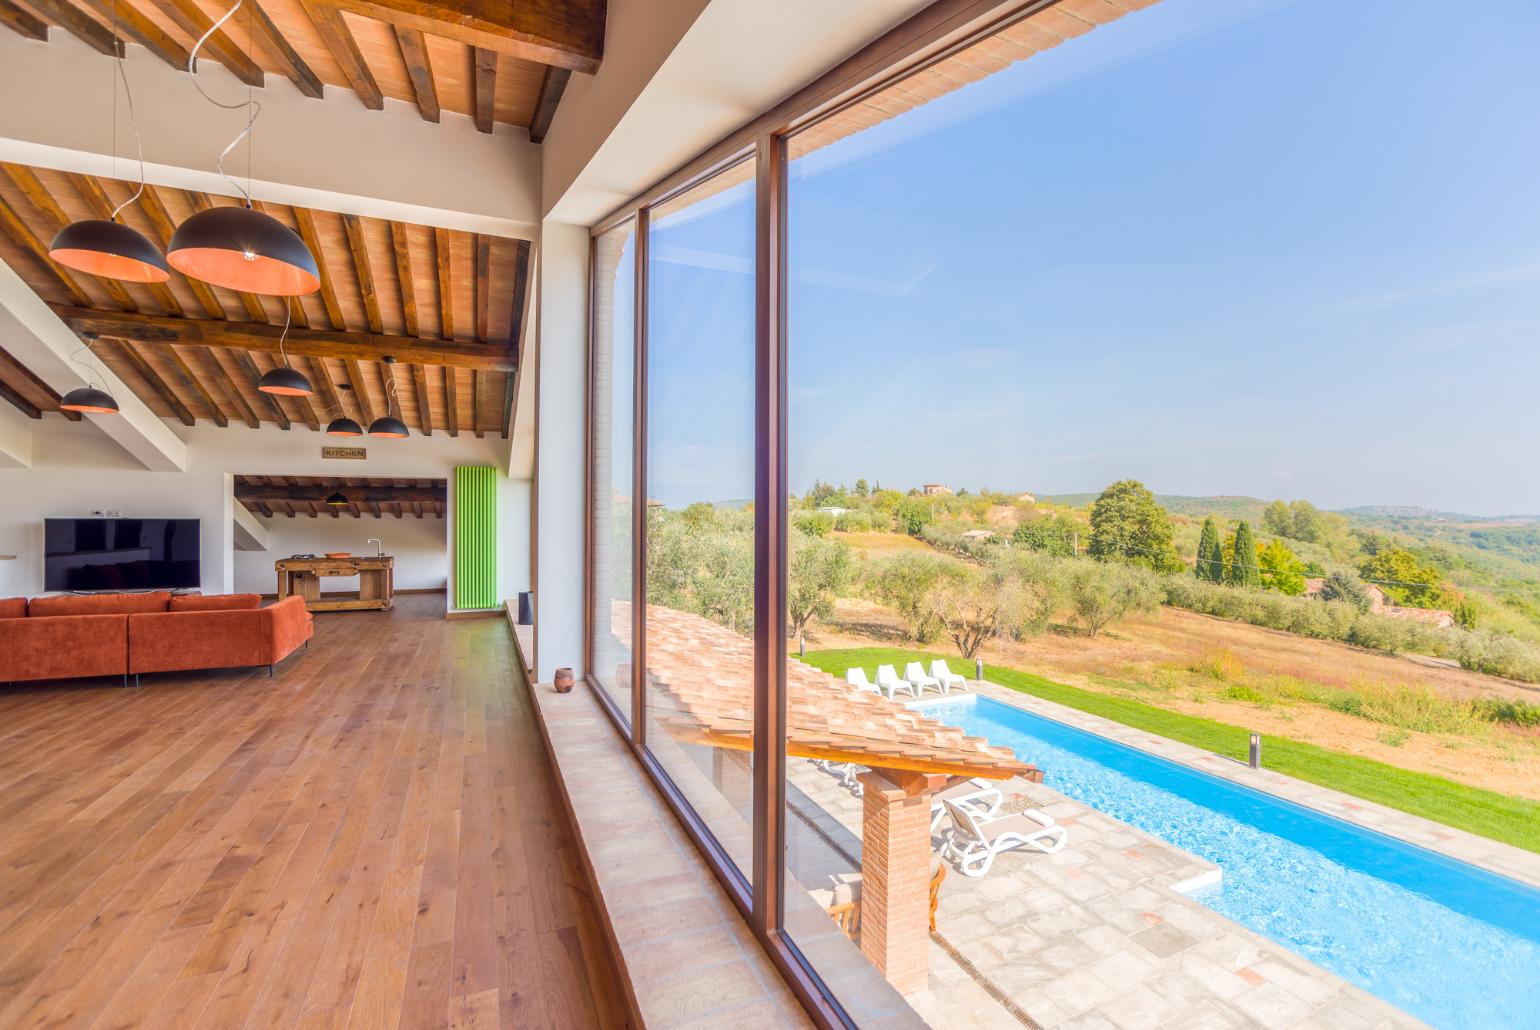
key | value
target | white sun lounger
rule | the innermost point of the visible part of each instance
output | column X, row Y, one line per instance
column 914, row 672
column 845, row 772
column 974, row 842
column 947, row 677
column 888, row 681
column 857, row 678
column 977, row 795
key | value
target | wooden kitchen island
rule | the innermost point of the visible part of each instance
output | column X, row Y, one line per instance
column 376, row 582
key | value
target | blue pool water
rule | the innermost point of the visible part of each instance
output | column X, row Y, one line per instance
column 1452, row 944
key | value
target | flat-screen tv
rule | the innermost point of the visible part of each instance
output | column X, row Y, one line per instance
column 120, row 554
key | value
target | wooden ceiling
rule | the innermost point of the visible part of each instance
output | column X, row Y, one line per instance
column 507, row 62
column 447, row 304
column 306, row 495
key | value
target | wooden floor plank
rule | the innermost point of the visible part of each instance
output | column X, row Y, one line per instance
column 372, row 839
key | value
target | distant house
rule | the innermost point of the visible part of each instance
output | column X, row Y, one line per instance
column 977, row 534
column 936, row 490
column 1379, row 604
column 1026, row 499
column 835, row 510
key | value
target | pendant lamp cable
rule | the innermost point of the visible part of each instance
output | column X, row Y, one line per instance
column 120, row 52
column 93, row 374
column 253, row 108
column 283, row 354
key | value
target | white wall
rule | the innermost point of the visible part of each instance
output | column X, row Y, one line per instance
column 420, row 547
column 77, row 470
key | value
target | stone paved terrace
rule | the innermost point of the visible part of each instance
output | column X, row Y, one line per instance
column 1096, row 935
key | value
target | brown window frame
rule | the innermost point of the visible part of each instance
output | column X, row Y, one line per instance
column 931, row 35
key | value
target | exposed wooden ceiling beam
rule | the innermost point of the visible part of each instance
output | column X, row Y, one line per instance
column 424, row 400
column 568, row 33
column 446, row 292
column 318, row 492
column 452, row 401
column 306, row 222
column 130, row 353
column 249, row 370
column 189, row 17
column 507, row 426
column 476, row 402
column 294, row 66
column 216, row 413
column 483, row 248
column 551, row 88
column 414, row 52
column 484, row 87
column 21, row 403
column 154, row 208
column 321, row 376
column 15, row 372
column 339, row 40
column 360, row 391
column 318, row 343
column 151, row 36
column 228, row 384
column 402, row 247
column 358, row 247
column 80, row 25
column 17, row 230
column 23, row 23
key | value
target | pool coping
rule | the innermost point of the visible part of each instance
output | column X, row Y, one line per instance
column 1490, row 855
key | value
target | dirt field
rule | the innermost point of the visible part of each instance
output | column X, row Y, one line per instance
column 1161, row 660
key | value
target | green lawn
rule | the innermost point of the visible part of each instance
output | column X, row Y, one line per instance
column 1511, row 820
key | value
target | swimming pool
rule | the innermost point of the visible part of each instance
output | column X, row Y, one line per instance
column 1452, row 944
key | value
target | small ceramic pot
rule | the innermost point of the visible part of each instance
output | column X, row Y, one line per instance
column 564, row 680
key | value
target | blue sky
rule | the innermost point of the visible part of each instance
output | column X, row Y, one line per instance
column 1224, row 246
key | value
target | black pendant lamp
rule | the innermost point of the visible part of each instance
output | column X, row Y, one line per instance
column 337, row 501
column 105, row 246
column 88, row 400
column 344, row 426
column 241, row 248
column 109, row 249
column 388, row 425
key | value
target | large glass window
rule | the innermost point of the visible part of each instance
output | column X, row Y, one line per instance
column 1156, row 374
column 612, row 432
column 700, row 489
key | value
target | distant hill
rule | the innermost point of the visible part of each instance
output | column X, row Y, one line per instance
column 1227, row 506
column 1406, row 513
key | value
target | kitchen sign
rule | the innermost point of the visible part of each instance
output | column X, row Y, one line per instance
column 345, row 453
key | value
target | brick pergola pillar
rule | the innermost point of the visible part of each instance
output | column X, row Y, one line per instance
column 895, row 874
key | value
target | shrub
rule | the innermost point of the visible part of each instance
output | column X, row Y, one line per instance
column 855, row 522
column 1241, row 692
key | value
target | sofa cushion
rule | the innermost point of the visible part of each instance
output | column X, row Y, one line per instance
column 13, row 607
column 60, row 648
column 169, row 641
column 98, row 604
column 215, row 602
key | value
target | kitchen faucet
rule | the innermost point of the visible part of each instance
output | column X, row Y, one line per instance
column 379, row 548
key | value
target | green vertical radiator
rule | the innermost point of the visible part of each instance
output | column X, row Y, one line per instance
column 475, row 537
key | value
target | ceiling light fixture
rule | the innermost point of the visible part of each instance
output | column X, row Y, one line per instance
column 105, row 246
column 344, row 426
column 88, row 399
column 240, row 248
column 337, row 501
column 285, row 381
column 388, row 425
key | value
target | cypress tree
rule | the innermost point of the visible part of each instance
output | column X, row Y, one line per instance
column 1211, row 557
column 1243, row 570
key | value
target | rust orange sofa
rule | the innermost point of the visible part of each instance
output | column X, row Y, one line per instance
column 71, row 635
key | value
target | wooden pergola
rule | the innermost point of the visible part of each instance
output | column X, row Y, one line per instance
column 700, row 679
